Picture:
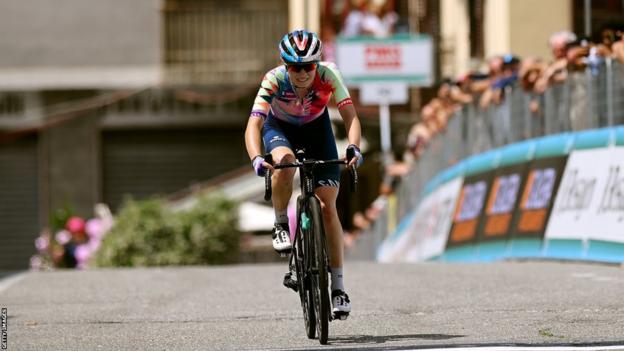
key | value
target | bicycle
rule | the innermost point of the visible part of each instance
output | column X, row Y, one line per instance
column 308, row 259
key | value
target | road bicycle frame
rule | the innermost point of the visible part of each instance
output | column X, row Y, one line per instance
column 309, row 259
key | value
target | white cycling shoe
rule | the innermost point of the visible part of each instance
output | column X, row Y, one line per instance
column 341, row 306
column 281, row 239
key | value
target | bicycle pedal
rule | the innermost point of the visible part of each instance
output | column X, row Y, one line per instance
column 284, row 253
column 341, row 315
column 290, row 283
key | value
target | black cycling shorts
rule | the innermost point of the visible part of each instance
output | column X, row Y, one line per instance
column 316, row 138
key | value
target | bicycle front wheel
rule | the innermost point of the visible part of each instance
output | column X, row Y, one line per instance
column 319, row 263
column 302, row 264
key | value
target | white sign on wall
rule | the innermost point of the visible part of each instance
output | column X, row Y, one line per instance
column 426, row 234
column 384, row 93
column 590, row 199
column 401, row 58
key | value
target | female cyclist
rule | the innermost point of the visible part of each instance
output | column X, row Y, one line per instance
column 290, row 112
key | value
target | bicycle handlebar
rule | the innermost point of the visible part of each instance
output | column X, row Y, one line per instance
column 314, row 163
column 298, row 164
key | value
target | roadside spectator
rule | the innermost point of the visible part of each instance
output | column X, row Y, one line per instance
column 577, row 52
column 379, row 21
column 353, row 23
column 609, row 34
column 618, row 50
column 556, row 71
column 531, row 69
column 507, row 78
column 473, row 84
column 495, row 69
column 612, row 41
column 484, row 87
column 417, row 140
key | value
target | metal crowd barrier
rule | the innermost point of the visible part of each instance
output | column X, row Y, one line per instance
column 587, row 99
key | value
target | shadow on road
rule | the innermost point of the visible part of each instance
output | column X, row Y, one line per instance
column 380, row 339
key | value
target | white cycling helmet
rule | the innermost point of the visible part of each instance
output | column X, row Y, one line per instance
column 300, row 46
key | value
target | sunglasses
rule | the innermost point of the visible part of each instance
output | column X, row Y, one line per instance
column 308, row 67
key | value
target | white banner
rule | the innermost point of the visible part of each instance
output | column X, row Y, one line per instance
column 426, row 234
column 590, row 200
column 405, row 58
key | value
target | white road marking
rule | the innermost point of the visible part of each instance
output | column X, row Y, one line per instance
column 526, row 348
column 11, row 280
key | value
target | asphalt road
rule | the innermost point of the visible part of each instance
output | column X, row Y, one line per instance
column 246, row 308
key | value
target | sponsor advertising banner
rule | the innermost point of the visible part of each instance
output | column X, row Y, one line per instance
column 590, row 200
column 537, row 197
column 469, row 210
column 501, row 203
column 427, row 231
column 400, row 58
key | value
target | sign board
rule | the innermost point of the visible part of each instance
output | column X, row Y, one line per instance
column 590, row 200
column 383, row 93
column 501, row 203
column 425, row 235
column 537, row 197
column 470, row 207
column 401, row 58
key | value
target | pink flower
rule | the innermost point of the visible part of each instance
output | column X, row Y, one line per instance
column 94, row 244
column 82, row 253
column 63, row 237
column 95, row 228
column 42, row 243
column 36, row 262
column 75, row 225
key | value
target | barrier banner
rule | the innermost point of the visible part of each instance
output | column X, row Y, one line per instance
column 590, row 200
column 501, row 203
column 426, row 233
column 469, row 210
column 537, row 197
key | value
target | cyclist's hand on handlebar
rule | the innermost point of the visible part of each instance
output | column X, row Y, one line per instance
column 260, row 166
column 357, row 159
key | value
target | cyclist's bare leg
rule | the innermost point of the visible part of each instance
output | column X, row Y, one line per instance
column 331, row 222
column 282, row 179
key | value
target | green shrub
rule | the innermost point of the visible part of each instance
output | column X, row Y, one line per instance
column 147, row 233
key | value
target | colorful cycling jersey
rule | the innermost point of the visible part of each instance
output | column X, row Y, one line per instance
column 278, row 96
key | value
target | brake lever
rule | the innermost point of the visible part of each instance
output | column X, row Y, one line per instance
column 268, row 191
column 352, row 171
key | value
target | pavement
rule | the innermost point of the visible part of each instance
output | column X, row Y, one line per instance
column 245, row 307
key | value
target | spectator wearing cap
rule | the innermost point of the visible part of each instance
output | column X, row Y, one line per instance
column 508, row 77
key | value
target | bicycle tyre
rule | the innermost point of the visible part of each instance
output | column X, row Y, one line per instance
column 319, row 265
column 302, row 265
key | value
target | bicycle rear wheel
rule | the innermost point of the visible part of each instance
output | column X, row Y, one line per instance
column 319, row 265
column 302, row 265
